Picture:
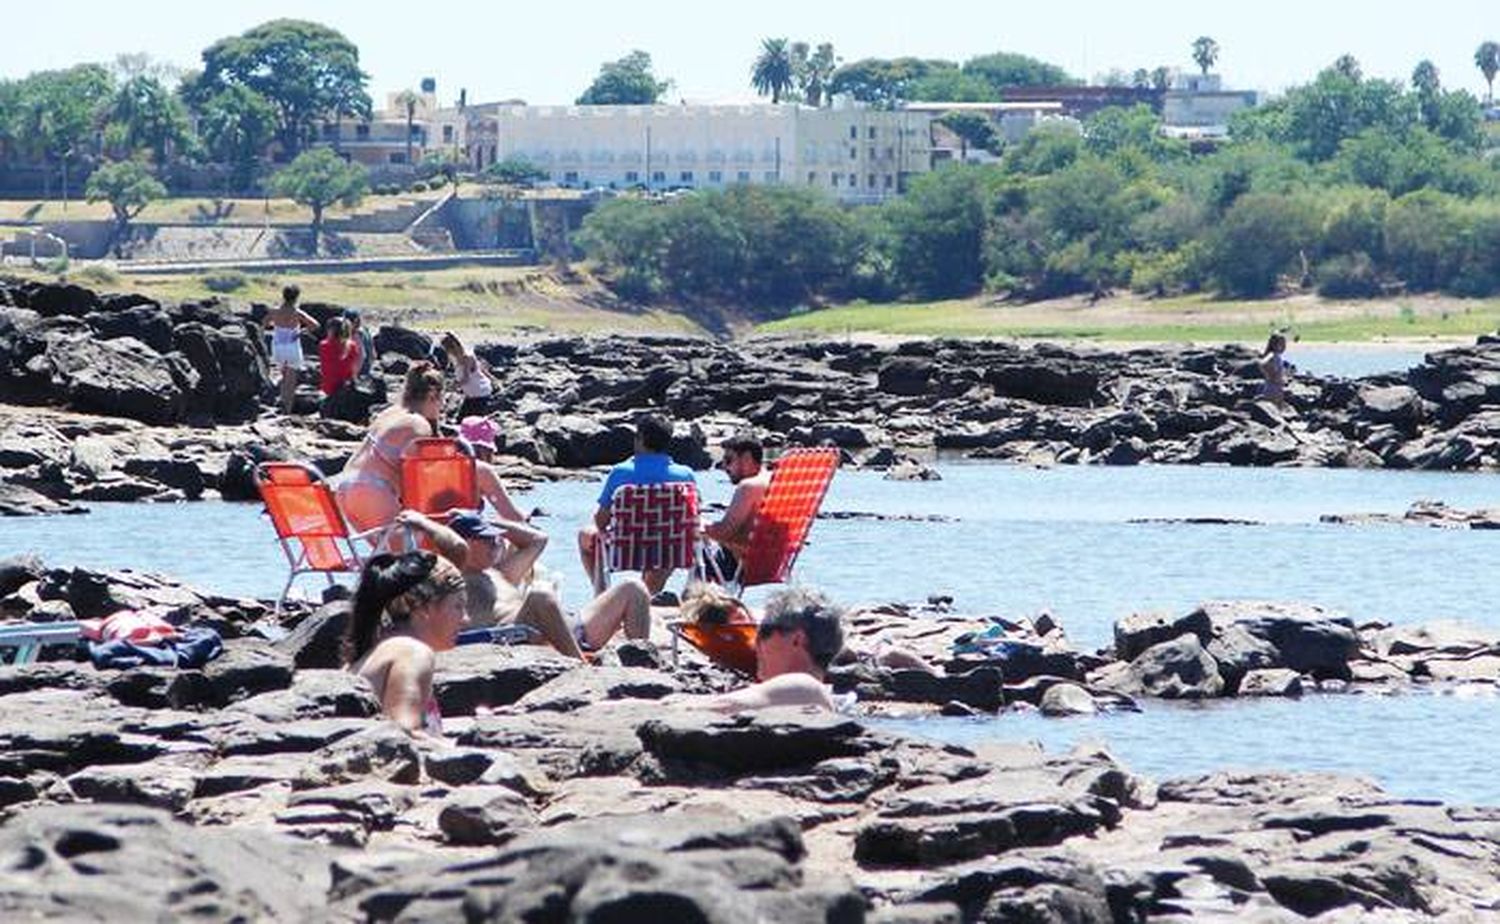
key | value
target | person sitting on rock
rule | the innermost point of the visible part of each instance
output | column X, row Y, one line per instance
column 1276, row 369
column 338, row 357
column 729, row 535
column 649, row 465
column 286, row 323
column 475, row 546
column 369, row 489
column 406, row 608
column 796, row 639
column 361, row 338
column 479, row 434
column 474, row 380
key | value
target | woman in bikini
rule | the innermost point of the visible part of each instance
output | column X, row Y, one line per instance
column 407, row 608
column 286, row 323
column 369, row 490
column 474, row 381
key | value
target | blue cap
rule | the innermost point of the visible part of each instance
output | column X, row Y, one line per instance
column 473, row 526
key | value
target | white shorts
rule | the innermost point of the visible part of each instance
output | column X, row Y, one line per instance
column 286, row 347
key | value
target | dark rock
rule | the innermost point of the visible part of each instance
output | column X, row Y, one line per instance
column 317, row 641
column 355, row 400
column 746, row 743
column 471, row 676
column 485, row 816
column 381, row 752
column 1177, row 669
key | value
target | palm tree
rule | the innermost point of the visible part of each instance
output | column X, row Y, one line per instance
column 1348, row 66
column 1205, row 53
column 1487, row 59
column 772, row 72
column 409, row 100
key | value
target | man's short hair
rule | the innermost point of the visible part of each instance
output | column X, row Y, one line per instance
column 742, row 444
column 290, row 294
column 654, row 432
column 814, row 614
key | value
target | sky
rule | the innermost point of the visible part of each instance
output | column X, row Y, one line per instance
column 549, row 54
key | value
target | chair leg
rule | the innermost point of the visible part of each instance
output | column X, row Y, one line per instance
column 285, row 589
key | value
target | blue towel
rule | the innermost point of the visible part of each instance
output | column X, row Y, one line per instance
column 191, row 648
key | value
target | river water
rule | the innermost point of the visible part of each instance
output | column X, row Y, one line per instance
column 1071, row 540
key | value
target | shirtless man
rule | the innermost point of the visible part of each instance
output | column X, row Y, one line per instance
column 474, row 545
column 797, row 638
column 730, row 534
column 286, row 323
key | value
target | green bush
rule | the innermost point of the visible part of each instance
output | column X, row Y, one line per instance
column 97, row 274
column 419, row 186
column 1350, row 275
column 224, row 281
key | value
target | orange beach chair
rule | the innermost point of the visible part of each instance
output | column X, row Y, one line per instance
column 438, row 478
column 309, row 526
column 799, row 481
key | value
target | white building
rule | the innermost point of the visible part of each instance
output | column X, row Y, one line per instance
column 1198, row 106
column 858, row 155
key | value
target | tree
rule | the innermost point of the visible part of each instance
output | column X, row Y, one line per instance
column 145, row 114
column 816, row 75
column 1140, row 78
column 307, row 71
column 971, row 128
column 1205, row 53
column 1348, row 66
column 236, row 125
column 772, row 71
column 57, row 113
column 1006, row 69
column 128, row 187
column 515, row 170
column 628, row 81
column 1425, row 80
column 1487, row 59
column 408, row 100
column 317, row 179
column 951, row 85
column 1161, row 78
column 937, row 232
column 883, row 83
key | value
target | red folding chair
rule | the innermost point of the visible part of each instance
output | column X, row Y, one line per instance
column 799, row 481
column 438, row 478
column 651, row 528
column 309, row 526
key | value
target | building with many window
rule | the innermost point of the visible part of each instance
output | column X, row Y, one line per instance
column 858, row 155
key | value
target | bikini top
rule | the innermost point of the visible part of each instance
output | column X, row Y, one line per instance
column 385, row 448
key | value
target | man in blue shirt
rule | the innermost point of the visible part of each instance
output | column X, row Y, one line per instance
column 649, row 465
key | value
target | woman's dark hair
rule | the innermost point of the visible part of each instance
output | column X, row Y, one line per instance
column 290, row 294
column 423, row 380
column 338, row 328
column 390, row 588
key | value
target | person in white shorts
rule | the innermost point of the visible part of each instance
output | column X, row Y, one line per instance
column 286, row 323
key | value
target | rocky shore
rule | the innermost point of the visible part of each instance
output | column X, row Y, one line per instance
column 263, row 787
column 117, row 397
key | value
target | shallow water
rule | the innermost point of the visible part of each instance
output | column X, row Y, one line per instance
column 1020, row 540
column 1354, row 362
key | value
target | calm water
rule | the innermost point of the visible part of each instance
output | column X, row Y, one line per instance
column 1021, row 540
column 1352, row 363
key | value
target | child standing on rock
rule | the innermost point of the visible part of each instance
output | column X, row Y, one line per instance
column 474, row 380
column 286, row 323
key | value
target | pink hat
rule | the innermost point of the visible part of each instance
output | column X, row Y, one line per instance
column 478, row 430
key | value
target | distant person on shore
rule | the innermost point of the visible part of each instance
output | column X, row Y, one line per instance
column 796, row 639
column 362, row 339
column 478, row 547
column 1275, row 369
column 480, row 433
column 286, row 323
column 729, row 535
column 338, row 357
column 406, row 608
column 474, row 381
column 650, row 465
column 369, row 489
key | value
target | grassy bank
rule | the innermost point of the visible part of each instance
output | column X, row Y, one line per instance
column 1129, row 318
column 476, row 300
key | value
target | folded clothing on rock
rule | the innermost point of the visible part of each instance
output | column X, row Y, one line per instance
column 189, row 648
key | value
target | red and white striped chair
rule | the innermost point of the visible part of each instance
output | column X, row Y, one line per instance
column 651, row 528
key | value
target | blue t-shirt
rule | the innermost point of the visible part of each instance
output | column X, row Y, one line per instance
column 643, row 468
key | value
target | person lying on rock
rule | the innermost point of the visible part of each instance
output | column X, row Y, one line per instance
column 797, row 637
column 369, row 488
column 650, row 465
column 406, row 608
column 476, row 547
column 729, row 535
